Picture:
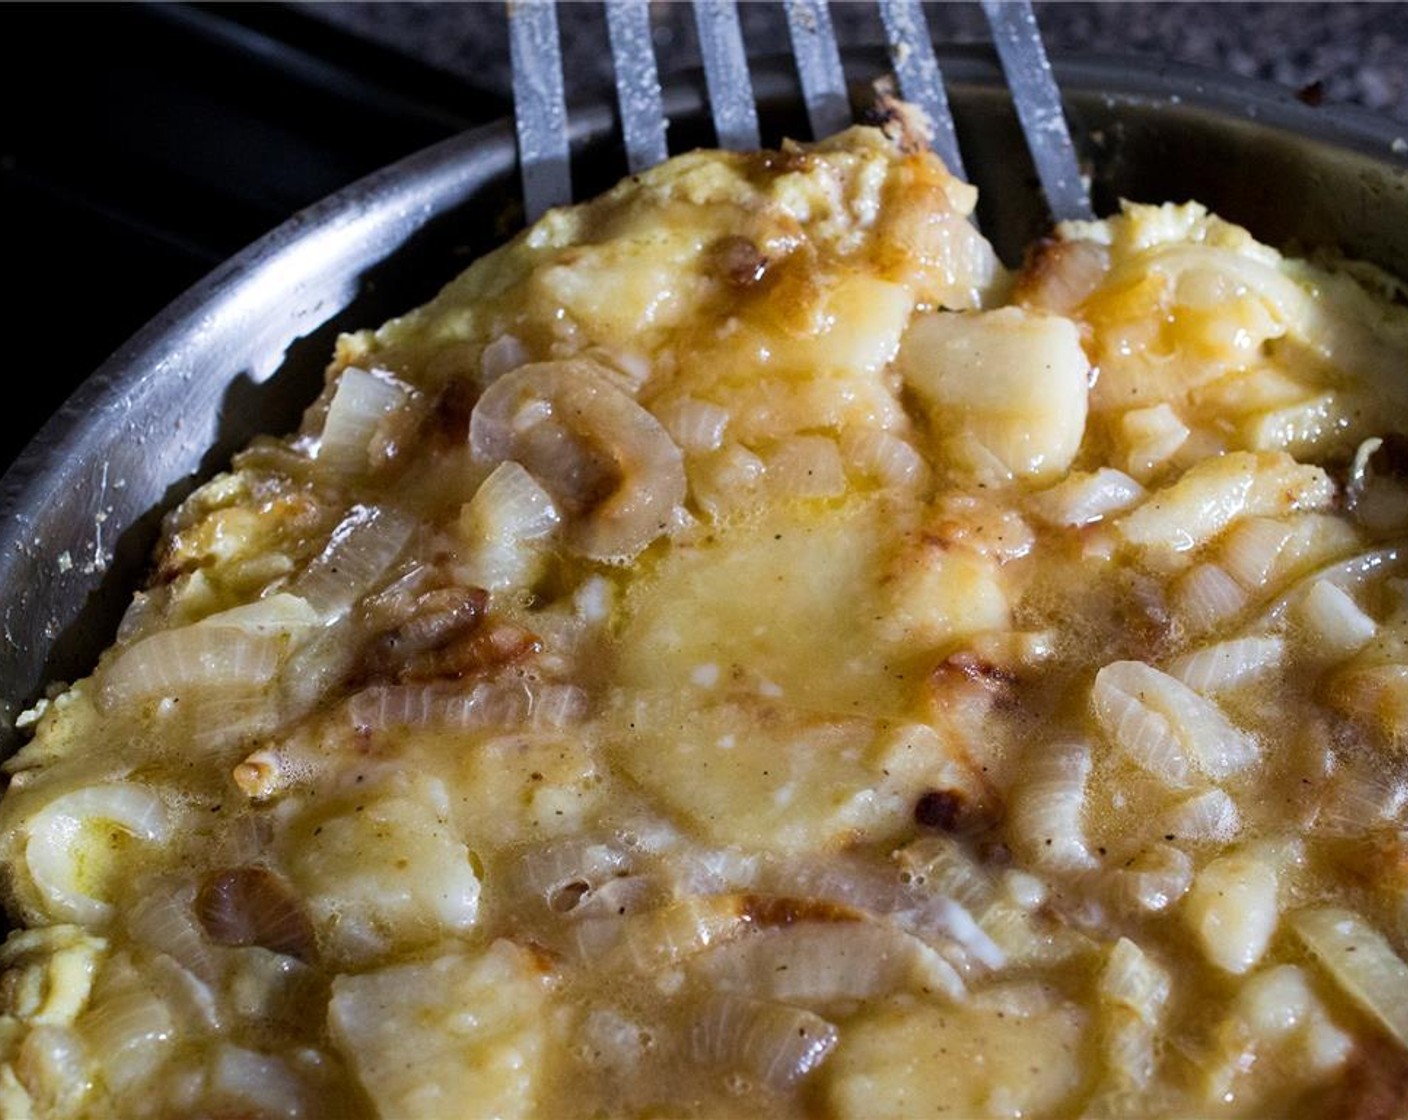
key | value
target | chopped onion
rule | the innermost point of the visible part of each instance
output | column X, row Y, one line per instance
column 1164, row 725
column 606, row 461
column 1153, row 880
column 1348, row 574
column 360, row 403
column 547, row 871
column 61, row 831
column 806, row 467
column 1152, row 436
column 727, row 480
column 1048, row 805
column 131, row 1027
column 520, row 703
column 235, row 650
column 358, row 554
column 1229, row 664
column 1130, row 979
column 775, row 1044
column 1334, row 620
column 1206, row 596
column 820, row 962
column 1251, row 549
column 1361, row 962
column 1210, row 818
column 161, row 918
column 503, row 355
column 696, row 425
column 54, row 1066
column 509, row 509
column 664, row 937
column 1360, row 795
column 1083, row 498
column 893, row 463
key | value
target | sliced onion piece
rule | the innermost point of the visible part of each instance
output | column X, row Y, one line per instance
column 508, row 510
column 805, row 467
column 60, row 832
column 358, row 554
column 893, row 463
column 131, row 1028
column 1048, row 806
column 1130, row 979
column 360, row 403
column 1206, row 596
column 1165, row 726
column 1348, row 574
column 820, row 962
column 237, row 650
column 772, row 1043
column 1229, row 664
column 1210, row 817
column 1082, row 499
column 1334, row 620
column 1361, row 962
column 607, row 462
column 487, row 705
column 1153, row 880
column 698, row 426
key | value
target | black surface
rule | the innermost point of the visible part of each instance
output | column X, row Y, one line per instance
column 145, row 144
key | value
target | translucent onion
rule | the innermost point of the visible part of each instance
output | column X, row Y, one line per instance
column 208, row 655
column 773, row 1044
column 893, row 463
column 1083, row 498
column 1153, row 880
column 727, row 480
column 1206, row 596
column 1229, row 664
column 360, row 403
column 358, row 554
column 161, row 918
column 508, row 511
column 1251, row 549
column 503, row 355
column 547, row 870
column 1210, row 817
column 62, row 829
column 1048, row 806
column 607, row 462
column 132, row 1028
column 664, row 937
column 806, row 467
column 1130, row 979
column 698, row 426
column 1360, row 795
column 1335, row 622
column 1164, row 725
column 55, row 1068
column 1349, row 574
column 1361, row 961
column 820, row 962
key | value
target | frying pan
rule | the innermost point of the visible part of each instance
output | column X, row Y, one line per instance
column 244, row 350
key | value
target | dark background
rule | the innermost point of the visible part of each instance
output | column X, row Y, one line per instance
column 142, row 144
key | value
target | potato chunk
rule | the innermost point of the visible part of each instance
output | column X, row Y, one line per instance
column 457, row 1036
column 930, row 1061
column 1006, row 390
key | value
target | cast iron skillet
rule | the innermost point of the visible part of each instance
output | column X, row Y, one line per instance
column 244, row 350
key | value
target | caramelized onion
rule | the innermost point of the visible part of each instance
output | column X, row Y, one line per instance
column 253, row 906
column 606, row 461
